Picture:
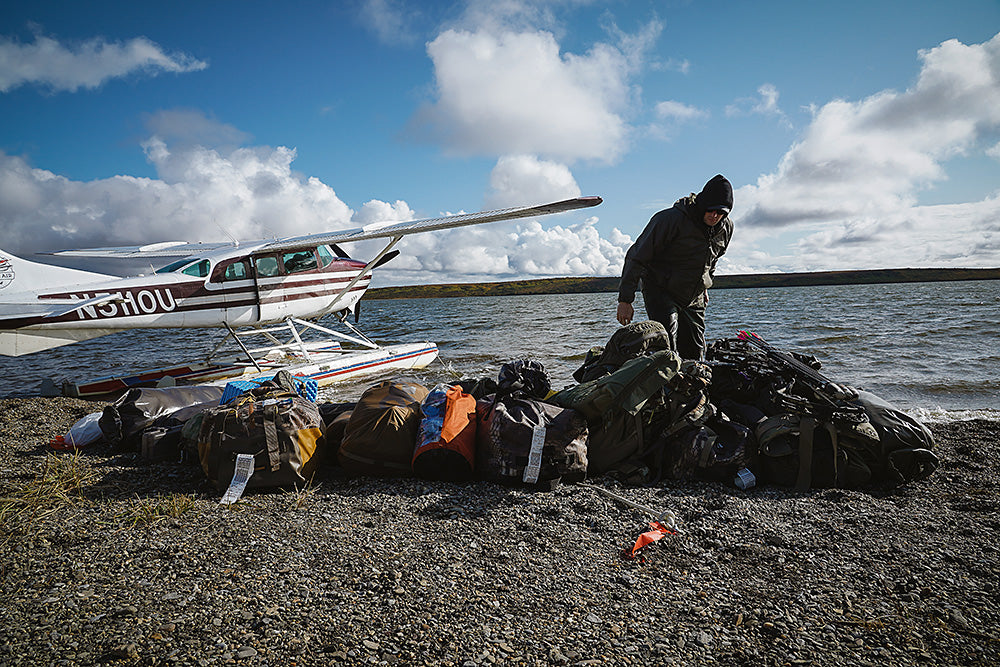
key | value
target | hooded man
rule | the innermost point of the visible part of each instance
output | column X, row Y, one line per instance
column 674, row 261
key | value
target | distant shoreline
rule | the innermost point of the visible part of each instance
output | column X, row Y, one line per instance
column 610, row 284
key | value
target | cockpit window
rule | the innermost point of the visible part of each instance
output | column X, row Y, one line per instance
column 173, row 266
column 267, row 266
column 198, row 269
column 300, row 260
column 237, row 271
column 325, row 256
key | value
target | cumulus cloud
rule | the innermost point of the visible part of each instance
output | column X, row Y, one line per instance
column 59, row 67
column 504, row 88
column 207, row 194
column 518, row 180
column 509, row 251
column 515, row 92
column 250, row 193
column 851, row 183
column 945, row 235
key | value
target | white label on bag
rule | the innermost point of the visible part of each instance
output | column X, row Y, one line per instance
column 241, row 475
column 534, row 467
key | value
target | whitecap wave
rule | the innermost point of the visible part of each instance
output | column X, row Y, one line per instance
column 942, row 416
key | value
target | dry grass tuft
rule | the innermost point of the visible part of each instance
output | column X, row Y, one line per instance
column 59, row 485
column 146, row 511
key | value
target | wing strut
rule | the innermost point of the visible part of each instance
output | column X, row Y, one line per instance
column 368, row 267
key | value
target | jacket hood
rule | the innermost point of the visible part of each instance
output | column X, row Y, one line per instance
column 716, row 195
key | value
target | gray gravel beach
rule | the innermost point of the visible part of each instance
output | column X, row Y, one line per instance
column 110, row 561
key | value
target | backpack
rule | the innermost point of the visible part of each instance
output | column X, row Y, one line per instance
column 526, row 442
column 804, row 451
column 628, row 342
column 282, row 431
column 707, row 445
column 381, row 433
column 808, row 431
column 624, row 410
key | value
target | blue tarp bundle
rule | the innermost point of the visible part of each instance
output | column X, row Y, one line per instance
column 304, row 386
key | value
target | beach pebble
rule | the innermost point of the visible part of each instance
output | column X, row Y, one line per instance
column 405, row 571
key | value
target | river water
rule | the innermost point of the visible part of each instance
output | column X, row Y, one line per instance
column 933, row 349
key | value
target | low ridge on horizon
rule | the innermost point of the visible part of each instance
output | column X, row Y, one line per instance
column 591, row 284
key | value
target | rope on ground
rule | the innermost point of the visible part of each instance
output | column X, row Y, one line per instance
column 667, row 517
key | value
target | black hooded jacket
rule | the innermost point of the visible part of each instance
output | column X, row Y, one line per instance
column 677, row 251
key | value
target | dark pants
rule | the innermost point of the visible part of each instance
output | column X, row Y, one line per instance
column 684, row 324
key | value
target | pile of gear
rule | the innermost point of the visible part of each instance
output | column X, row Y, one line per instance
column 749, row 413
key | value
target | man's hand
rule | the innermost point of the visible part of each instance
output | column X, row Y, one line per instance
column 625, row 312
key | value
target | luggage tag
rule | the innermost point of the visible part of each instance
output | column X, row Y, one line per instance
column 241, row 475
column 534, row 467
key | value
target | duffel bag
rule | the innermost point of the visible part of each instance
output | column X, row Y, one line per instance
column 281, row 431
column 139, row 408
column 382, row 431
column 523, row 441
column 446, row 442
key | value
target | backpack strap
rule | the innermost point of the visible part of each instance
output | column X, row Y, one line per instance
column 271, row 435
column 707, row 449
column 831, row 429
column 807, row 428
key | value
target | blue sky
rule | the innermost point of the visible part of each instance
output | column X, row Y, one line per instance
column 857, row 134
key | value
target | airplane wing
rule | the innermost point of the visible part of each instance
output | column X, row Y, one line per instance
column 384, row 230
column 164, row 249
column 373, row 231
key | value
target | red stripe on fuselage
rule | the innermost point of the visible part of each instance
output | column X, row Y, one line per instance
column 164, row 298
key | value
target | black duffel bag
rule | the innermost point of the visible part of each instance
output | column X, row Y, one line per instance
column 138, row 409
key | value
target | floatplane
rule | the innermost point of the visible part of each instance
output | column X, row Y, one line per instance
column 268, row 288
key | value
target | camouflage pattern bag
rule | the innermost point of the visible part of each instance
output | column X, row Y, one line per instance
column 523, row 441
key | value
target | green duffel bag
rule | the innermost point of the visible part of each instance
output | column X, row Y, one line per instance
column 624, row 410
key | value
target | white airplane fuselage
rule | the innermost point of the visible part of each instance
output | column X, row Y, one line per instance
column 237, row 287
column 261, row 283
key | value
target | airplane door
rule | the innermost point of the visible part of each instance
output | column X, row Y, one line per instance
column 234, row 281
column 269, row 278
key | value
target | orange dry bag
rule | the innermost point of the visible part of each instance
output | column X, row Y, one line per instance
column 446, row 443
